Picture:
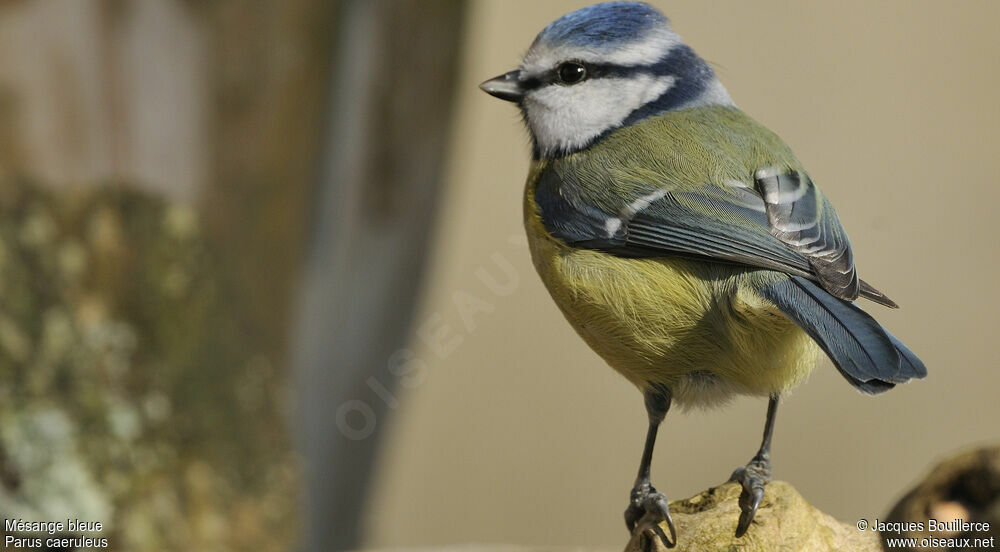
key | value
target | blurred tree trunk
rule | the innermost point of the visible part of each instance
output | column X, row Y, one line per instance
column 270, row 86
column 156, row 163
column 158, row 170
column 393, row 74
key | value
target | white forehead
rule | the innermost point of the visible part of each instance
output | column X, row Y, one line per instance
column 646, row 50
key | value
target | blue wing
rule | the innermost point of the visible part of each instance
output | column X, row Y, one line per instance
column 783, row 223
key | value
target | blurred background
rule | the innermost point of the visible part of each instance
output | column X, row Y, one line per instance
column 263, row 284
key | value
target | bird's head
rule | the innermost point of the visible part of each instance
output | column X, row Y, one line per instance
column 601, row 68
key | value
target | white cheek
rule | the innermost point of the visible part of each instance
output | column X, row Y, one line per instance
column 568, row 117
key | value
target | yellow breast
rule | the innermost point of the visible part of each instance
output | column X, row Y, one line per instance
column 697, row 327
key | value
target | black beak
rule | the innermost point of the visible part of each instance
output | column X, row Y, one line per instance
column 507, row 87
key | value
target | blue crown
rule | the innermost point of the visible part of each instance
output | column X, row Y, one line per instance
column 603, row 25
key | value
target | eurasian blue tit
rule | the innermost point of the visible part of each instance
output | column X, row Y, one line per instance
column 683, row 240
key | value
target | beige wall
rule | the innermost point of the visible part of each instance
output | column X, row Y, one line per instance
column 520, row 434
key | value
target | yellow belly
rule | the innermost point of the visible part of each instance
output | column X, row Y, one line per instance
column 697, row 327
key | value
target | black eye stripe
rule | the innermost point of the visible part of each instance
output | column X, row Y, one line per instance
column 594, row 71
column 531, row 83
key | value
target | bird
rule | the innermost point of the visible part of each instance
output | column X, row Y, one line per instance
column 681, row 239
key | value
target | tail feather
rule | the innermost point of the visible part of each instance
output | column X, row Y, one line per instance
column 868, row 356
column 909, row 365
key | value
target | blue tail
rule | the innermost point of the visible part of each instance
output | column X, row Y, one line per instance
column 867, row 355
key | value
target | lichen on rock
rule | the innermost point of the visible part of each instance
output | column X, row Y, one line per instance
column 132, row 391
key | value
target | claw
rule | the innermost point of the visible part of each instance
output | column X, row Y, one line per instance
column 662, row 507
column 752, row 478
column 646, row 510
column 749, row 502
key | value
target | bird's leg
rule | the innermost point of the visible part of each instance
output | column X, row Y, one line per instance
column 648, row 507
column 756, row 473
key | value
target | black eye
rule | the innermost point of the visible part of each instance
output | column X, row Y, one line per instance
column 571, row 73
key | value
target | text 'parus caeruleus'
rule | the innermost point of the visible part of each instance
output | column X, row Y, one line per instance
column 682, row 240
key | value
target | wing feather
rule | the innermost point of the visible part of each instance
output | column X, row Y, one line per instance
column 783, row 224
column 803, row 219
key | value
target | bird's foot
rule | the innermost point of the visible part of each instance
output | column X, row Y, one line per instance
column 646, row 510
column 752, row 477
